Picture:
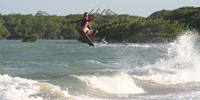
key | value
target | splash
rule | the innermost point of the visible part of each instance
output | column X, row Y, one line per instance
column 183, row 52
column 181, row 66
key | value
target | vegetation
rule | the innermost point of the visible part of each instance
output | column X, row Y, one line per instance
column 161, row 26
column 30, row 38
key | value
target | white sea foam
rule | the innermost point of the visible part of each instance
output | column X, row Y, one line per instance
column 117, row 82
column 138, row 45
column 171, row 96
column 15, row 88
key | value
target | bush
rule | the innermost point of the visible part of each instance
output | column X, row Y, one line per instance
column 30, row 38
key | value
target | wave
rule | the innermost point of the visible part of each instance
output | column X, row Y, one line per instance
column 16, row 88
column 181, row 65
column 115, row 83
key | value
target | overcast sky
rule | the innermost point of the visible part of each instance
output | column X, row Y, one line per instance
column 65, row 7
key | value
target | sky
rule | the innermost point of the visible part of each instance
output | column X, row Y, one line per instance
column 142, row 8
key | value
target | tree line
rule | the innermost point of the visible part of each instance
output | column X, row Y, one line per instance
column 161, row 26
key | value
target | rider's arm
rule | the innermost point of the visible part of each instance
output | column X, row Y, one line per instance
column 94, row 18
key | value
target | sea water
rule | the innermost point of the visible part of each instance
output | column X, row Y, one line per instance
column 70, row 70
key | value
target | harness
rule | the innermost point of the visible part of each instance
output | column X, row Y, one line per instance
column 82, row 24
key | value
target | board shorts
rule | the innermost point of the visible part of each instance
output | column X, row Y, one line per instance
column 87, row 31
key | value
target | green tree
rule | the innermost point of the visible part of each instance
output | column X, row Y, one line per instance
column 52, row 31
column 4, row 33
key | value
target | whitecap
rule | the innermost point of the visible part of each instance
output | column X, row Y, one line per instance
column 117, row 83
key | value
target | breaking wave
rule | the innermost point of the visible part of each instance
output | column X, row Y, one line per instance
column 16, row 88
column 181, row 65
column 116, row 82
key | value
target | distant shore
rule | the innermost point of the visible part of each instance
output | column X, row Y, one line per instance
column 161, row 26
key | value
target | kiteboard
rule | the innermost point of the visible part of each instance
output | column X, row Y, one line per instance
column 85, row 37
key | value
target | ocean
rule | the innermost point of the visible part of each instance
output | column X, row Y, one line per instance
column 71, row 70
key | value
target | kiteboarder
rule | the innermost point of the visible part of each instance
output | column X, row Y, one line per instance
column 104, row 40
column 125, row 43
column 85, row 24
